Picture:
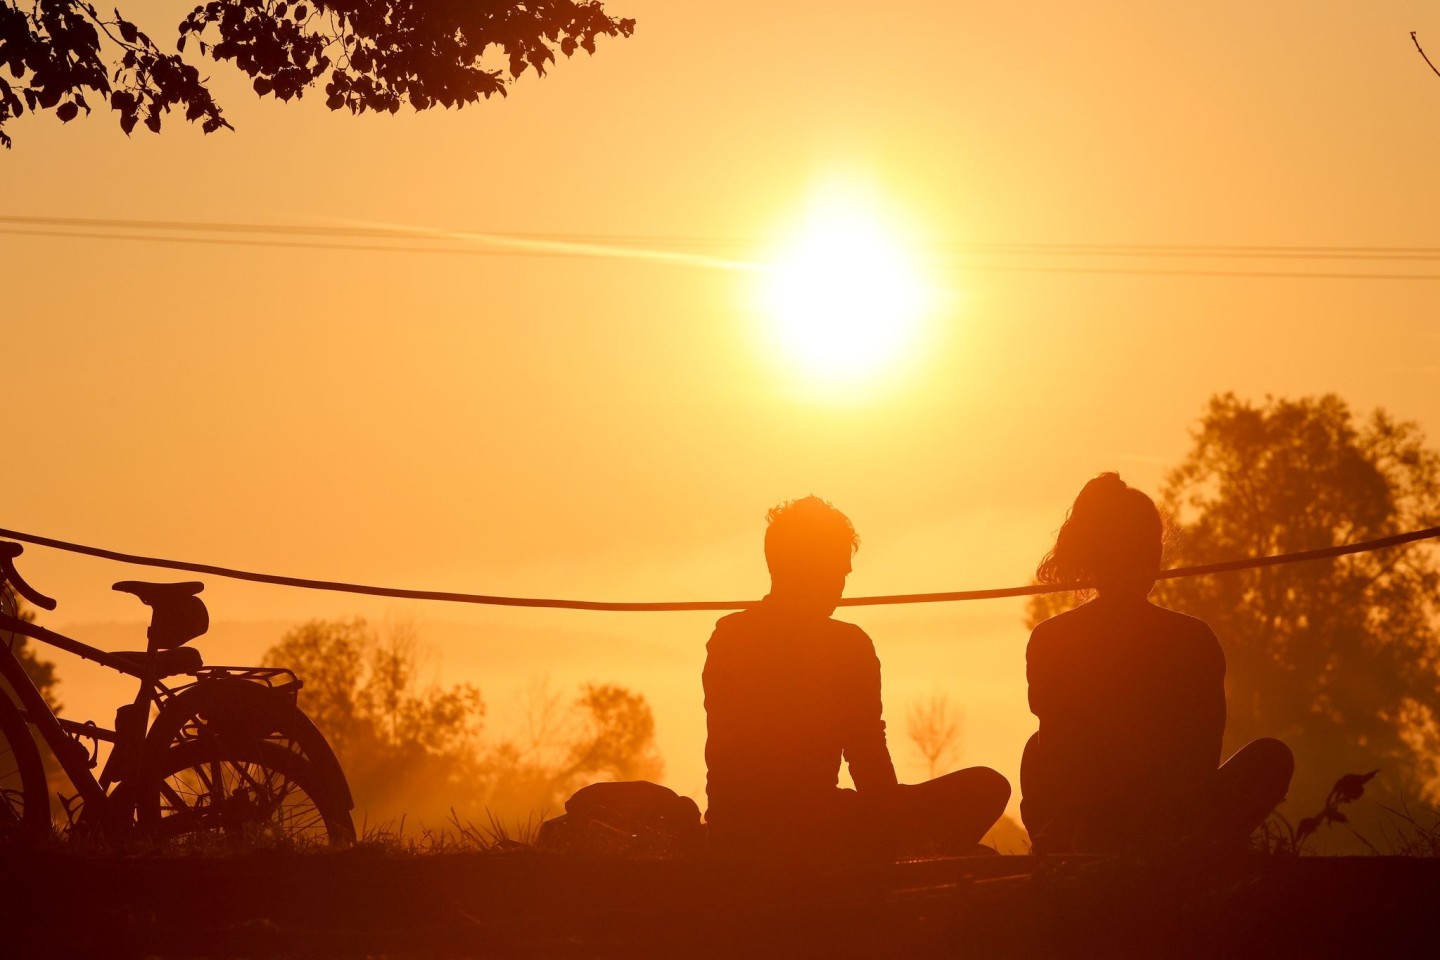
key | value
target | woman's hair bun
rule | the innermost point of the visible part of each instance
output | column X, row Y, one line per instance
column 1112, row 533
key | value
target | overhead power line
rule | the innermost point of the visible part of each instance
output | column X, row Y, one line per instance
column 728, row 253
column 431, row 233
column 1244, row 563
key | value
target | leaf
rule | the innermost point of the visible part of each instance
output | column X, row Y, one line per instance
column 301, row 13
column 263, row 85
column 180, row 44
column 127, row 122
column 67, row 112
column 1351, row 786
column 128, row 31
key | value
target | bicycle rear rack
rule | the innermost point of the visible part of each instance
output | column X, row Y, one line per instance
column 280, row 679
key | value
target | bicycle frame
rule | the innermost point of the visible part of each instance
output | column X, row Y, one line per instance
column 226, row 748
column 63, row 735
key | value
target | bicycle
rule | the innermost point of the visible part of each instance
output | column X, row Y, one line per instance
column 202, row 751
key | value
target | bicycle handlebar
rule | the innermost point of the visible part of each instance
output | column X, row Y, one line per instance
column 8, row 552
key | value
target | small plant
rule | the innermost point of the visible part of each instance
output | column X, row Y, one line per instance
column 1277, row 836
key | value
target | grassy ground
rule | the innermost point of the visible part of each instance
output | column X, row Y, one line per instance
column 374, row 903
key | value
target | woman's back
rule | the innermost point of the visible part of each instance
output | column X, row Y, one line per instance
column 1131, row 700
column 1131, row 703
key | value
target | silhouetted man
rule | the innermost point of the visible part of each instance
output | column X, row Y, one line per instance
column 789, row 692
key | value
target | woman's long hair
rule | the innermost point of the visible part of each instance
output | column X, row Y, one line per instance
column 1112, row 535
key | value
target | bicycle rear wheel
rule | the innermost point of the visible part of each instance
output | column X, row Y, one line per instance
column 253, row 793
column 24, row 796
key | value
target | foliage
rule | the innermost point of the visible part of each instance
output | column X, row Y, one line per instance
column 413, row 749
column 399, row 743
column 371, row 54
column 1341, row 659
column 935, row 732
column 606, row 733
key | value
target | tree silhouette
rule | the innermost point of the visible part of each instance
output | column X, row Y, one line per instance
column 411, row 749
column 935, row 732
column 371, row 54
column 606, row 733
column 404, row 747
column 1339, row 658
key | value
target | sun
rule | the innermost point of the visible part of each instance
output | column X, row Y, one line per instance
column 845, row 296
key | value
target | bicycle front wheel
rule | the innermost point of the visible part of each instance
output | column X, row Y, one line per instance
column 255, row 793
column 24, row 796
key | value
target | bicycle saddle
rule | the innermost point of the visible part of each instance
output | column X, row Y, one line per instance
column 179, row 615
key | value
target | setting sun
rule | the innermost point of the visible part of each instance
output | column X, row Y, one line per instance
column 845, row 296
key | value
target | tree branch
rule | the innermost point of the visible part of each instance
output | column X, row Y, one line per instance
column 1416, row 41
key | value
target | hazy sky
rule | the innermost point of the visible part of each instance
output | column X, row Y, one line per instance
column 616, row 428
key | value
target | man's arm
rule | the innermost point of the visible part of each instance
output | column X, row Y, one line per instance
column 717, row 680
column 1210, row 695
column 865, row 749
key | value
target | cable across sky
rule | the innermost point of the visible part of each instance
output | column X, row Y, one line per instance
column 1242, row 563
column 734, row 253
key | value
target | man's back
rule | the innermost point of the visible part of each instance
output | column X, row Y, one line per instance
column 787, row 695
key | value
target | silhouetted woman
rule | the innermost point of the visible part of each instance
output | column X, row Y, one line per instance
column 1131, row 702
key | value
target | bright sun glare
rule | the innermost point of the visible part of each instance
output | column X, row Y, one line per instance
column 845, row 296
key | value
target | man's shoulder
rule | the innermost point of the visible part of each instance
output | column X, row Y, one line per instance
column 852, row 641
column 729, row 628
column 733, row 621
column 843, row 628
column 753, row 621
column 741, row 627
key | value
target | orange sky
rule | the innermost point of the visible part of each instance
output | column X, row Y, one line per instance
column 615, row 429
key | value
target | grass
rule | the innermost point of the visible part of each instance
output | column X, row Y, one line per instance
column 458, row 835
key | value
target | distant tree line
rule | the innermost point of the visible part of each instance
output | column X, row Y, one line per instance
column 418, row 750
